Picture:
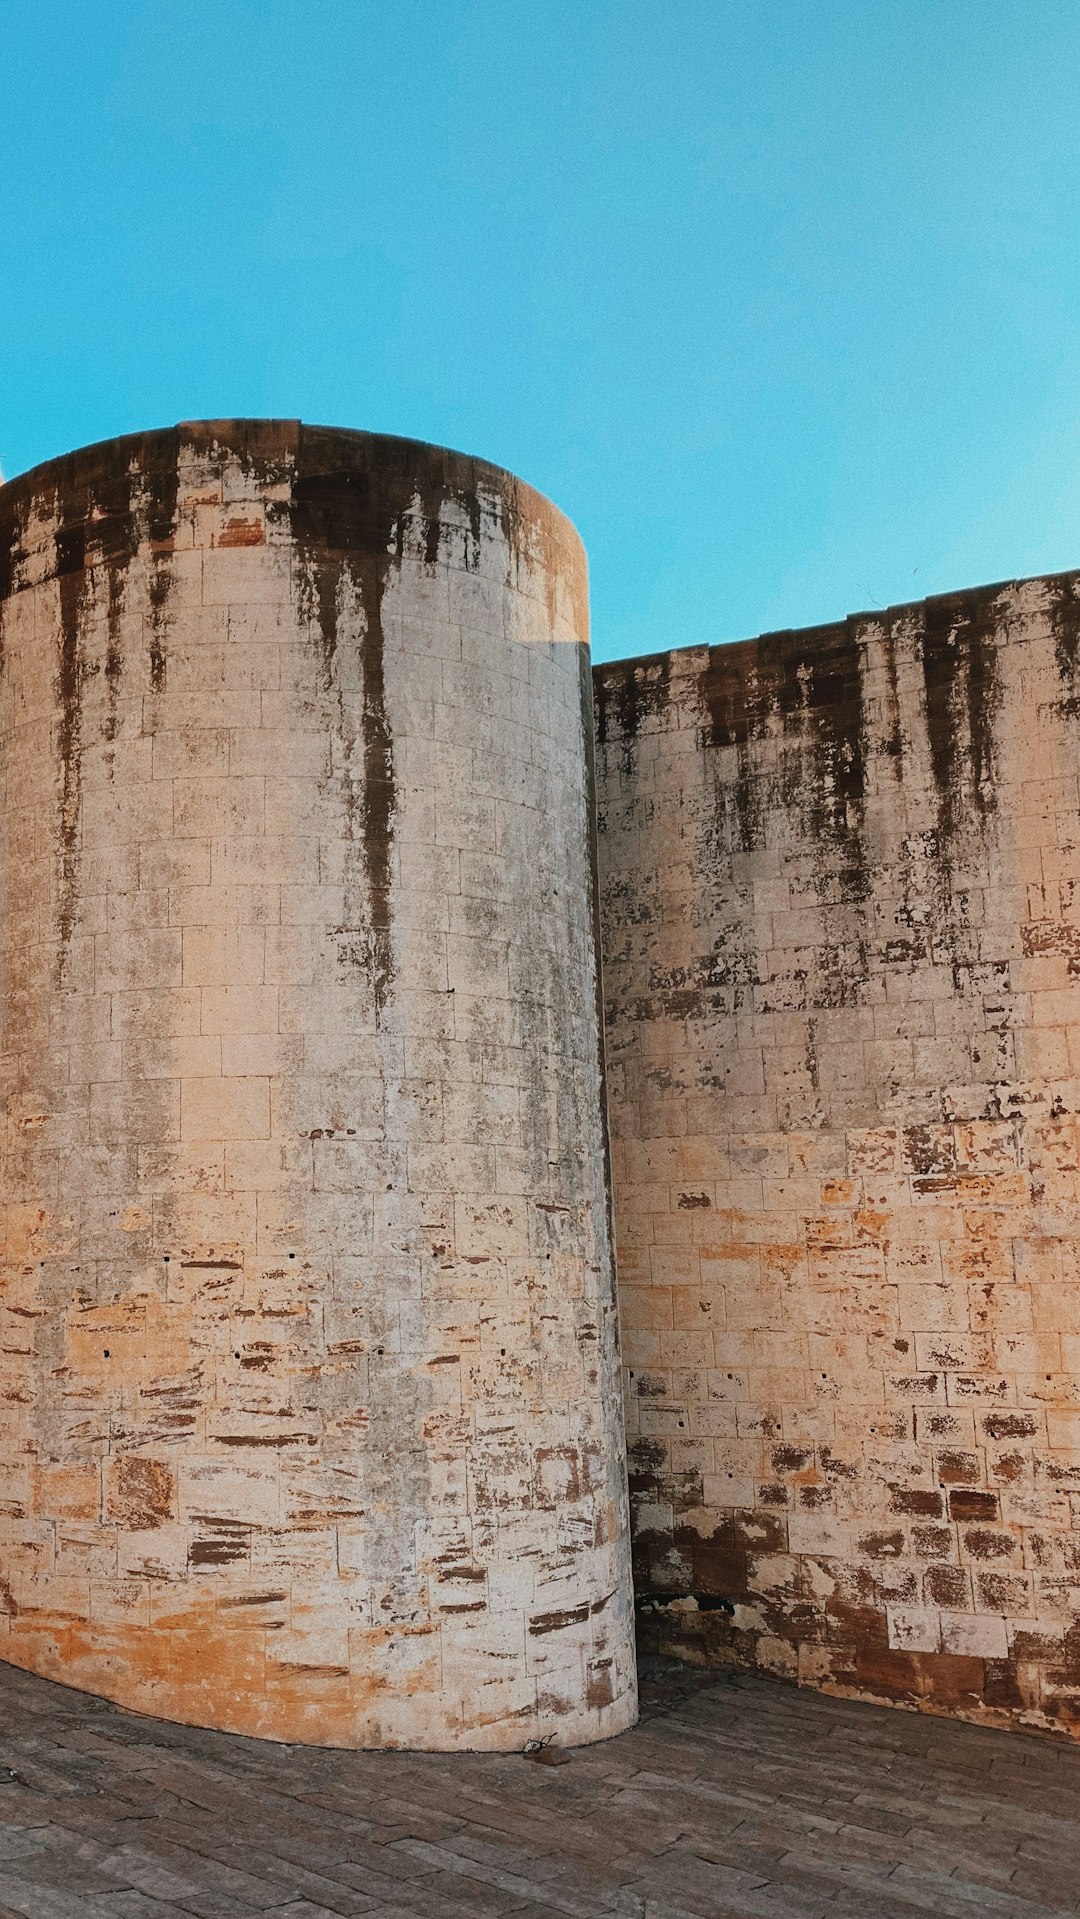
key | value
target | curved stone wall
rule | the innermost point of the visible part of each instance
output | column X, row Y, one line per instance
column 841, row 880
column 309, row 1420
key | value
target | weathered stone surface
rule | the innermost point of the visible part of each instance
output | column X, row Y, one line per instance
column 309, row 1417
column 308, row 1406
column 841, row 925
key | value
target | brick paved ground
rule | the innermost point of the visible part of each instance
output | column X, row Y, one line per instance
column 728, row 1800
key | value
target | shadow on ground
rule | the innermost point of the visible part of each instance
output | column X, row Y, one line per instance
column 734, row 1799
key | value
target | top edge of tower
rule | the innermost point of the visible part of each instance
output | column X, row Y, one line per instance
column 285, row 447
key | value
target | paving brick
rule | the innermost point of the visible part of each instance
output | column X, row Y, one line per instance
column 752, row 1800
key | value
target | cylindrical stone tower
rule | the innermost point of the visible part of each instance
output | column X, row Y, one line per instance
column 309, row 1414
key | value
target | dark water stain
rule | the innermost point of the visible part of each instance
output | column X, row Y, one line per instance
column 783, row 728
column 625, row 695
column 12, row 555
column 745, row 801
column 161, row 533
column 909, row 945
column 893, row 741
column 803, row 690
column 588, row 747
column 99, row 501
column 963, row 695
column 11, row 546
column 319, row 585
column 114, row 658
column 1065, row 628
column 350, row 519
column 71, row 576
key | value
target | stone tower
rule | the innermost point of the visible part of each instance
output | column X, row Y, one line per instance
column 309, row 1422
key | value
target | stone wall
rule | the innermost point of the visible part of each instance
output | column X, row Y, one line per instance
column 841, row 925
column 309, row 1420
column 309, row 1413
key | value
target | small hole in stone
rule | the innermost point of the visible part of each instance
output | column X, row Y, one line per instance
column 236, row 1355
column 292, row 1255
column 166, row 1259
column 108, row 1355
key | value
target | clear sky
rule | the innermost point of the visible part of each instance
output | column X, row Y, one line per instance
column 778, row 299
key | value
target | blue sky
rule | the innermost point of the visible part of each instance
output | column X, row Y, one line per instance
column 778, row 299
